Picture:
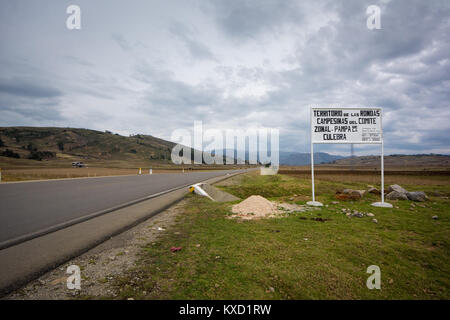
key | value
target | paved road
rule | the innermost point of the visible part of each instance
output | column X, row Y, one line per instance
column 30, row 207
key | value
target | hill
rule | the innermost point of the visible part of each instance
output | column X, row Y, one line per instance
column 398, row 160
column 301, row 159
column 289, row 158
column 47, row 143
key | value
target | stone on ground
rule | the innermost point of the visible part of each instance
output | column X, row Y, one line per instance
column 395, row 195
column 397, row 188
column 374, row 190
column 418, row 196
column 349, row 194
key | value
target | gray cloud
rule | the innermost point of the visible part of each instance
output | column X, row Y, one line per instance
column 185, row 34
column 248, row 19
column 153, row 67
column 27, row 88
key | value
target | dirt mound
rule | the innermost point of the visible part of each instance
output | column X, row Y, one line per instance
column 255, row 207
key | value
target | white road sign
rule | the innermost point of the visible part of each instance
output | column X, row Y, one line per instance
column 346, row 125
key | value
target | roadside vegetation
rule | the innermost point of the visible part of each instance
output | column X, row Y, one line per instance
column 299, row 256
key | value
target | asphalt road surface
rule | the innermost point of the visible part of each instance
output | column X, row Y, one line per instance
column 29, row 207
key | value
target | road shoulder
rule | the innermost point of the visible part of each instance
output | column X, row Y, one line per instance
column 102, row 264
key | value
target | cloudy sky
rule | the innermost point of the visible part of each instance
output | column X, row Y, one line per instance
column 148, row 66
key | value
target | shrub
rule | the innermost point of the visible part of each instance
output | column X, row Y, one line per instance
column 10, row 154
column 40, row 155
column 31, row 147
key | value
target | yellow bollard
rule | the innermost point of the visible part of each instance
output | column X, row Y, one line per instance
column 140, row 170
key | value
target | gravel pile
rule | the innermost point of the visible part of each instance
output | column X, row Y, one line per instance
column 255, row 207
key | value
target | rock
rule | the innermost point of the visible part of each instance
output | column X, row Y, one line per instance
column 395, row 195
column 434, row 217
column 374, row 190
column 358, row 194
column 396, row 187
column 375, row 220
column 357, row 214
column 334, row 202
column 344, row 197
column 370, row 215
column 418, row 196
column 353, row 193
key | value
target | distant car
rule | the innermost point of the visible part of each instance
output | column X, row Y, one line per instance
column 78, row 164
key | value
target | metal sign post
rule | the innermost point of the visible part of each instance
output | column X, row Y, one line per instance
column 343, row 126
column 313, row 203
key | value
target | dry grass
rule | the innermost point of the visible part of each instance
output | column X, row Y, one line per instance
column 9, row 175
column 406, row 176
column 25, row 169
column 375, row 179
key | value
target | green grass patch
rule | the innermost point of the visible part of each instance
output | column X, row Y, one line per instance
column 295, row 257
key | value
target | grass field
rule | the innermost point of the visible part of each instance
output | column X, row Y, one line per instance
column 10, row 175
column 296, row 257
column 25, row 169
column 416, row 177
